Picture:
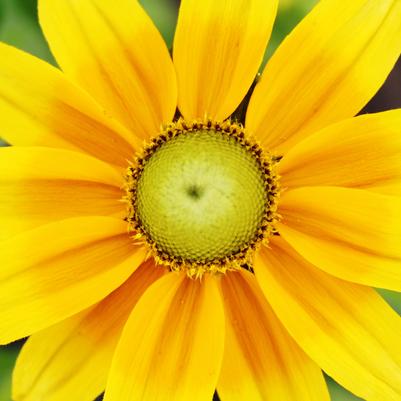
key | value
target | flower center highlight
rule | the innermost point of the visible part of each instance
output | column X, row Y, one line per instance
column 202, row 196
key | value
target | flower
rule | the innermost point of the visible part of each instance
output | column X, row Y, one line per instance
column 258, row 312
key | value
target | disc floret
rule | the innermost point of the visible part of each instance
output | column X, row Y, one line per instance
column 202, row 196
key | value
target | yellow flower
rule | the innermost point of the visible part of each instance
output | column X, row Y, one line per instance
column 256, row 313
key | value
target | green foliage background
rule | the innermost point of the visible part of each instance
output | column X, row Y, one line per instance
column 19, row 27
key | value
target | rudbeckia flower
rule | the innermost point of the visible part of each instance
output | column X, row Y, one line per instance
column 159, row 254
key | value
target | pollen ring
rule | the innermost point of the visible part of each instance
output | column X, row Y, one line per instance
column 202, row 196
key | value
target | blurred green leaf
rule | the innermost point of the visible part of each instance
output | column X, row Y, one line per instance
column 8, row 355
column 338, row 393
column 393, row 298
column 28, row 7
column 1, row 12
column 19, row 27
column 164, row 15
column 289, row 15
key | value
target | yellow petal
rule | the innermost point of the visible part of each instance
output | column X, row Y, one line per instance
column 112, row 49
column 40, row 185
column 261, row 361
column 361, row 152
column 351, row 233
column 172, row 345
column 218, row 48
column 347, row 329
column 71, row 360
column 59, row 269
column 391, row 187
column 40, row 107
column 328, row 68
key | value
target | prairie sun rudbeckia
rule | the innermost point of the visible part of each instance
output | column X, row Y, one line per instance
column 159, row 254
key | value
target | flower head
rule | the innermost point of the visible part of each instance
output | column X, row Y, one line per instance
column 160, row 253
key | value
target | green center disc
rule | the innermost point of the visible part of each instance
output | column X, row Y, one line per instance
column 201, row 196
